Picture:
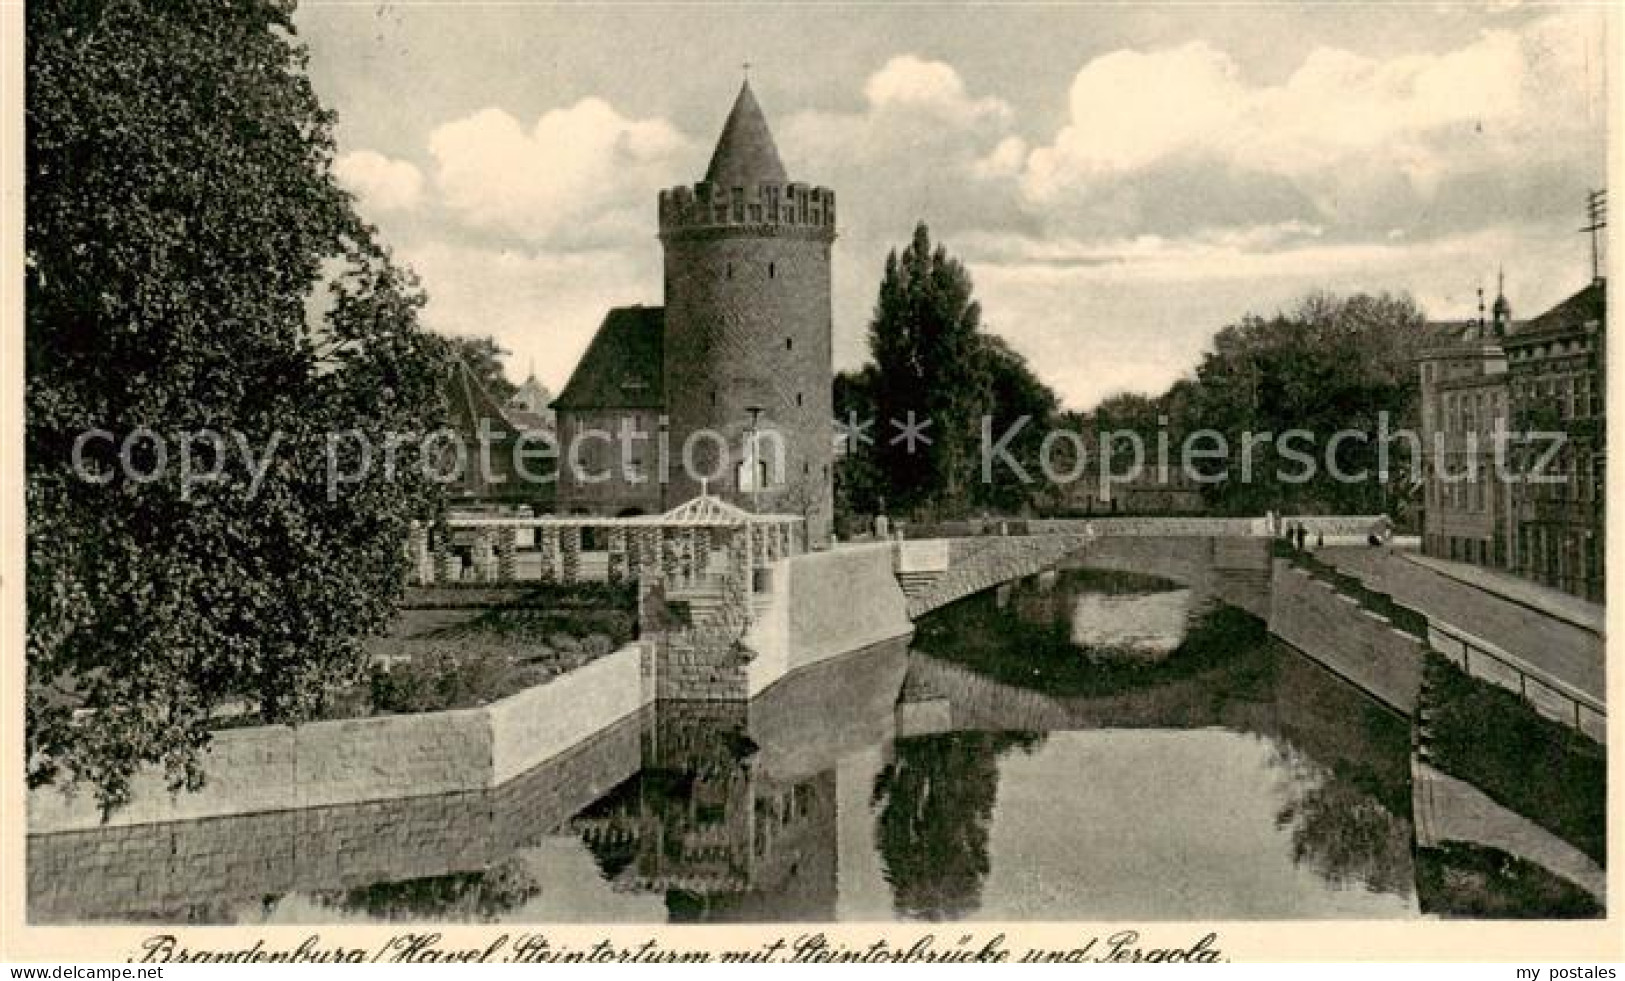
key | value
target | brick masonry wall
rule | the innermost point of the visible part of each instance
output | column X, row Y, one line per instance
column 1337, row 632
column 728, row 321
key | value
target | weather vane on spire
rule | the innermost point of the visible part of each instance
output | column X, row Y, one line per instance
column 745, row 67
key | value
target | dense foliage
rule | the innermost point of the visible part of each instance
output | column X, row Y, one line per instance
column 932, row 360
column 1326, row 366
column 483, row 356
column 1539, row 768
column 191, row 264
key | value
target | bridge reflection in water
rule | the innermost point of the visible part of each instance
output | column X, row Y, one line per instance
column 1233, row 779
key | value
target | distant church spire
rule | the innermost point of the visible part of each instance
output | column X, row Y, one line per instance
column 746, row 154
column 1502, row 311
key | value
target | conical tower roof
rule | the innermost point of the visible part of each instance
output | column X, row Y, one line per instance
column 745, row 155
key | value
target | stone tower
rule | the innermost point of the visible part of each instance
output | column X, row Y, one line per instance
column 747, row 351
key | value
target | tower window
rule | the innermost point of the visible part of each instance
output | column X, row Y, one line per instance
column 772, row 269
column 798, row 398
column 730, row 271
column 789, row 343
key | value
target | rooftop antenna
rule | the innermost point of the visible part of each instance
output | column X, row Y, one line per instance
column 1596, row 221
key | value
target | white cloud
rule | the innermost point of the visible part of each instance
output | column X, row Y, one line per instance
column 583, row 175
column 1006, row 160
column 910, row 83
column 1341, row 126
column 381, row 183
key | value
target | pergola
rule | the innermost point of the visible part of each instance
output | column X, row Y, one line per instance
column 678, row 547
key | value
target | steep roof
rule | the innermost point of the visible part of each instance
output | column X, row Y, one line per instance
column 470, row 403
column 745, row 154
column 624, row 365
column 1589, row 304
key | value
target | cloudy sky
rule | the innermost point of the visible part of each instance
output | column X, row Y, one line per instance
column 1121, row 181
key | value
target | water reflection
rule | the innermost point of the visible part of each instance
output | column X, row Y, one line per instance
column 1232, row 778
column 936, row 799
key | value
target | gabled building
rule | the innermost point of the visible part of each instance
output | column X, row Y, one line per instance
column 1466, row 507
column 531, row 406
column 1496, row 394
column 490, row 477
column 618, row 387
column 1557, row 370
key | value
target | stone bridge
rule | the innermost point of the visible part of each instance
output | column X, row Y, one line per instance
column 1232, row 568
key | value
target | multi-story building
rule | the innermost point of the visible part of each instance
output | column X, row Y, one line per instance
column 1557, row 368
column 1514, row 441
column 1466, row 508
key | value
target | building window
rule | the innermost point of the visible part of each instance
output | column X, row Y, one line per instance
column 789, row 343
column 798, row 398
column 772, row 270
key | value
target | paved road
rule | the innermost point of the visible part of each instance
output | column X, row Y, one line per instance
column 1573, row 654
column 1581, row 613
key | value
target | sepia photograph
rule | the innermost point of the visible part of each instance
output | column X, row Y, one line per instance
column 908, row 482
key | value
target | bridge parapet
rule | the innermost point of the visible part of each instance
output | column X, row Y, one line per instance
column 936, row 572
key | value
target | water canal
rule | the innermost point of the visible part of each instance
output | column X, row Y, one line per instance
column 1072, row 746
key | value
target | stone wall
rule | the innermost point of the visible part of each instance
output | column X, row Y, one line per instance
column 269, row 768
column 1336, row 631
column 976, row 564
column 391, row 756
column 1150, row 526
column 202, row 871
column 540, row 723
column 1235, row 569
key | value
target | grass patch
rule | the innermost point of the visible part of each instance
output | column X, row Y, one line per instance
column 1541, row 769
column 1458, row 879
column 491, row 656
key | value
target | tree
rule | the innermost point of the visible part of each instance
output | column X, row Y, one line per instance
column 484, row 355
column 859, row 487
column 1018, row 403
column 1328, row 364
column 182, row 219
column 933, row 361
column 925, row 340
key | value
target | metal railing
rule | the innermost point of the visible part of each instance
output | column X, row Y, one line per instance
column 1549, row 695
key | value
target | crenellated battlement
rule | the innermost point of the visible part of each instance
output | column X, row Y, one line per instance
column 767, row 207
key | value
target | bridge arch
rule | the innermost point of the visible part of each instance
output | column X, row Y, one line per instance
column 936, row 572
